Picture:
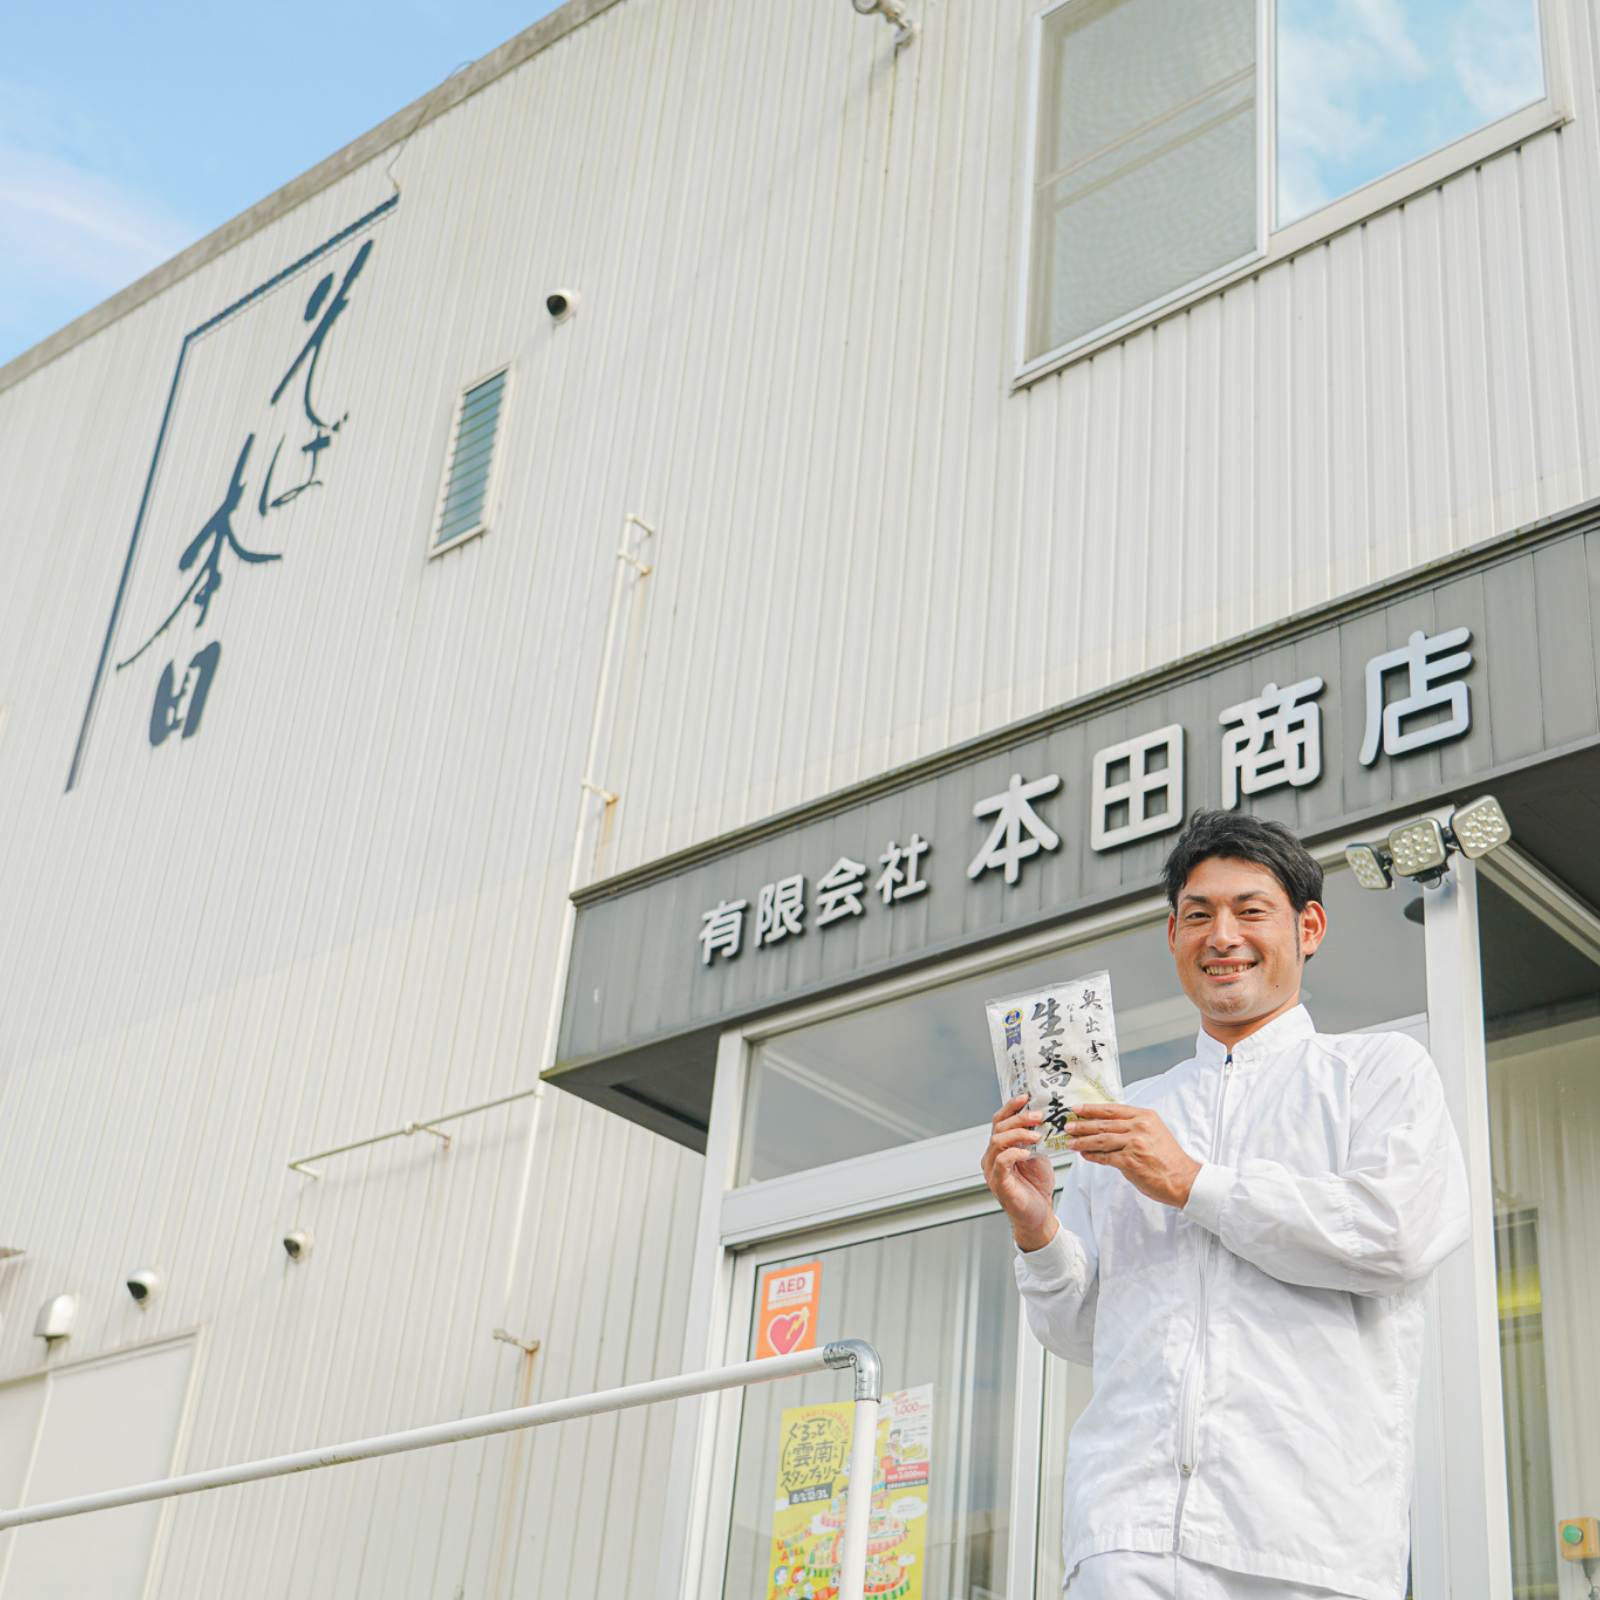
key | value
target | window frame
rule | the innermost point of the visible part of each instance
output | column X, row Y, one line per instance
column 747, row 1266
column 1274, row 245
column 491, row 484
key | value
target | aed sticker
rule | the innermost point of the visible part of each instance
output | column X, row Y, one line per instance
column 786, row 1310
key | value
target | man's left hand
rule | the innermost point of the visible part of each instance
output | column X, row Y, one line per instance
column 1137, row 1143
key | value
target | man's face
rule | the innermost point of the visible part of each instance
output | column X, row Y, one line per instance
column 1238, row 944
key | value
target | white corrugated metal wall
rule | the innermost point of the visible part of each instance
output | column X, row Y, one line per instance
column 338, row 908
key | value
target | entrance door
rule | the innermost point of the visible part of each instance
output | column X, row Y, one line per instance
column 1540, row 954
column 847, row 1137
column 943, row 1310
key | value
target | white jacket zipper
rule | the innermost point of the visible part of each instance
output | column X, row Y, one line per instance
column 1189, row 1398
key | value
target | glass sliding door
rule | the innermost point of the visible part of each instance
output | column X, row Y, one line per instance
column 1541, row 1003
column 941, row 1306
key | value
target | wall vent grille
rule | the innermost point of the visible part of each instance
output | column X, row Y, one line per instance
column 461, row 514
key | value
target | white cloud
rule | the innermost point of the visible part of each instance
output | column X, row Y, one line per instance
column 1382, row 25
column 1367, row 85
column 58, row 219
column 72, row 230
column 1496, row 56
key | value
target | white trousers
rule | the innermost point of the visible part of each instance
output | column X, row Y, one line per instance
column 1133, row 1575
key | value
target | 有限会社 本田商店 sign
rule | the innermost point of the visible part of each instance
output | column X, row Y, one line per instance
column 1400, row 697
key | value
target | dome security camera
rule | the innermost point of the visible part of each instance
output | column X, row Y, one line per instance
column 144, row 1285
column 561, row 303
column 297, row 1245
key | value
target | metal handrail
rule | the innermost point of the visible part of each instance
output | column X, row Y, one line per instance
column 854, row 1353
column 430, row 1126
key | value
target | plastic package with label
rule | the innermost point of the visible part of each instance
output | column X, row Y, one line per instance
column 1057, row 1045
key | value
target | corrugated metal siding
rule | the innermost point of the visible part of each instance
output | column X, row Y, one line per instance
column 337, row 909
column 902, row 553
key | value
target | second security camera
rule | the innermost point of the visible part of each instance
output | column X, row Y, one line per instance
column 561, row 303
column 144, row 1285
column 297, row 1245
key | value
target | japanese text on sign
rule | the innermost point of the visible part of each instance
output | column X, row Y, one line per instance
column 1136, row 790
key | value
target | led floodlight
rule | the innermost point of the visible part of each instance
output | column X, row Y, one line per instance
column 1480, row 826
column 1369, row 865
column 1418, row 849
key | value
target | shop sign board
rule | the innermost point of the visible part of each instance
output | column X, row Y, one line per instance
column 1403, row 698
column 1272, row 739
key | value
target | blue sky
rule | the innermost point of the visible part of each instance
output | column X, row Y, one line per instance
column 128, row 132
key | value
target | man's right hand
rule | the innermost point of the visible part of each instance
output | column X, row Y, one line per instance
column 1023, row 1183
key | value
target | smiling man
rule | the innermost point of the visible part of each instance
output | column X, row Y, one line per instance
column 1242, row 1252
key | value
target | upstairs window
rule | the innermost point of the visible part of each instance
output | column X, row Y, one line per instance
column 462, row 505
column 1145, row 174
column 1176, row 140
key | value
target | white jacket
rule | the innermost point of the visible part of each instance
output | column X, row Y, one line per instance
column 1256, row 1355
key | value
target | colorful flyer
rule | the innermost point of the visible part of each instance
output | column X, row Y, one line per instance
column 813, row 1473
column 787, row 1310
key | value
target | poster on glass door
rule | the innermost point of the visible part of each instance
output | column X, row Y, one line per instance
column 786, row 1316
column 813, row 1473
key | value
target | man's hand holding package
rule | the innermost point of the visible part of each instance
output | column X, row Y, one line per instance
column 1023, row 1183
column 1137, row 1143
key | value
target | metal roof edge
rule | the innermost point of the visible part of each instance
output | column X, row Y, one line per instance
column 392, row 131
column 1484, row 554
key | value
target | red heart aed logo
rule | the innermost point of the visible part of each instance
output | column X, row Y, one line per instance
column 785, row 1333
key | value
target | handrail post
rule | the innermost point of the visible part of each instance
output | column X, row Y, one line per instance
column 859, row 1354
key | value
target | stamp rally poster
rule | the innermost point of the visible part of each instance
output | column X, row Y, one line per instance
column 813, row 1473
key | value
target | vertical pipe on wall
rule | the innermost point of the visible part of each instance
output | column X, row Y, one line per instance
column 589, row 791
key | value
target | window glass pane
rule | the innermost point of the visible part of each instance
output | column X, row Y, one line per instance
column 1364, row 88
column 1145, row 169
column 922, row 1066
column 1541, row 1002
column 919, row 1067
column 941, row 1307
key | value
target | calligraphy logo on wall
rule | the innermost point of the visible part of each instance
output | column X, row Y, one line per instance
column 225, row 500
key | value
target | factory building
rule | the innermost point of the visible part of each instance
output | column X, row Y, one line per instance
column 550, row 668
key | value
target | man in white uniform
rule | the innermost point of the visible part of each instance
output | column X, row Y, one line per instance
column 1241, row 1251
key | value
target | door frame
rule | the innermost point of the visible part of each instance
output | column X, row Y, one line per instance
column 1461, row 1536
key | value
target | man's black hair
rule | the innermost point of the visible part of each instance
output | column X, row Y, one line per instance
column 1234, row 836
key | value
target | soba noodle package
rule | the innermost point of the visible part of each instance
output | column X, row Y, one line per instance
column 1057, row 1045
